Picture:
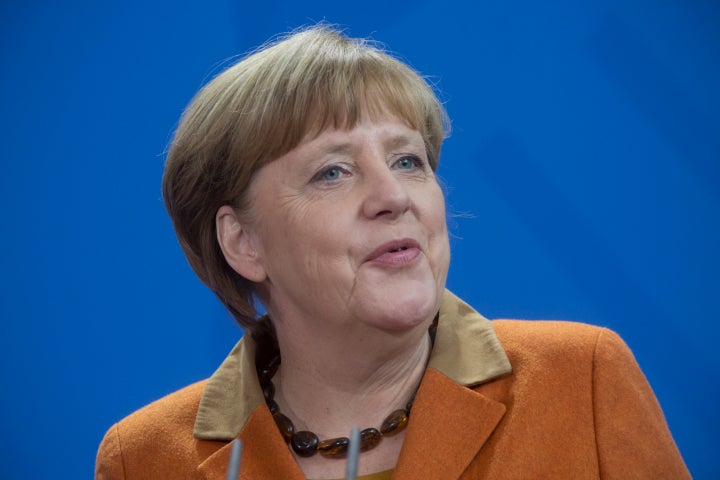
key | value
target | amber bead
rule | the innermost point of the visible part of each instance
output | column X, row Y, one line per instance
column 409, row 405
column 304, row 443
column 268, row 390
column 285, row 425
column 335, row 447
column 395, row 422
column 369, row 439
column 266, row 372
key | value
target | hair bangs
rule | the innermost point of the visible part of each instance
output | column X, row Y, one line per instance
column 338, row 90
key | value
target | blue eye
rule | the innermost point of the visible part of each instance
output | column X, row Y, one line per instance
column 329, row 174
column 332, row 173
column 405, row 163
column 408, row 163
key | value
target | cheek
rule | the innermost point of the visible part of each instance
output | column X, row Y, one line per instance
column 435, row 209
column 438, row 229
column 301, row 236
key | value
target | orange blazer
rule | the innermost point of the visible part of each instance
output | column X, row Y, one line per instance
column 499, row 400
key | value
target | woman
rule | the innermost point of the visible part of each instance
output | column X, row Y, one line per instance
column 303, row 176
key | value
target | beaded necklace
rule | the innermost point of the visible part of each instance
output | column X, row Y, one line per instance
column 304, row 442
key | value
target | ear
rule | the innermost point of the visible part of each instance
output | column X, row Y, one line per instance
column 238, row 245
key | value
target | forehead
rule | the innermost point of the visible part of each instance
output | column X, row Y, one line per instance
column 388, row 132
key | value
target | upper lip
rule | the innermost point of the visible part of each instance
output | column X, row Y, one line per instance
column 392, row 245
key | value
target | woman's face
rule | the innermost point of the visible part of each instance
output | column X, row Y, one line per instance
column 349, row 227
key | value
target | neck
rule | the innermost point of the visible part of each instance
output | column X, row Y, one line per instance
column 331, row 389
column 329, row 383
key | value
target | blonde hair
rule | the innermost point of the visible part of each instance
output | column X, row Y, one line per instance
column 261, row 108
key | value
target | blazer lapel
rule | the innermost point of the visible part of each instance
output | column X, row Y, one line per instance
column 448, row 426
column 265, row 456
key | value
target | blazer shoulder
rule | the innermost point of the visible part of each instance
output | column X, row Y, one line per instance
column 176, row 408
column 164, row 426
column 551, row 337
column 549, row 342
column 162, row 420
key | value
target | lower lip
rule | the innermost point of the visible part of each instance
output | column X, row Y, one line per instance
column 400, row 258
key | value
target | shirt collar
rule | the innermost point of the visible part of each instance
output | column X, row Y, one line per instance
column 466, row 350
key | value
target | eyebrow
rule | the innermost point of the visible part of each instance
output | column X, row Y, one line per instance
column 398, row 141
column 339, row 148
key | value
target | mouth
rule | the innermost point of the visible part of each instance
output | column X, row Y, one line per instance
column 395, row 251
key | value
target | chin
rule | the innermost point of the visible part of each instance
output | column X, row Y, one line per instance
column 403, row 310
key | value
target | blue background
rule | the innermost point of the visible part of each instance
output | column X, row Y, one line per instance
column 582, row 178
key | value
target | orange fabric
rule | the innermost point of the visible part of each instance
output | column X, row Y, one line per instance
column 576, row 405
column 386, row 475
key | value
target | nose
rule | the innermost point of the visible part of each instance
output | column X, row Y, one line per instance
column 385, row 194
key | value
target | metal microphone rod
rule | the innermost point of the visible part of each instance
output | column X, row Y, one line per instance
column 353, row 455
column 233, row 470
